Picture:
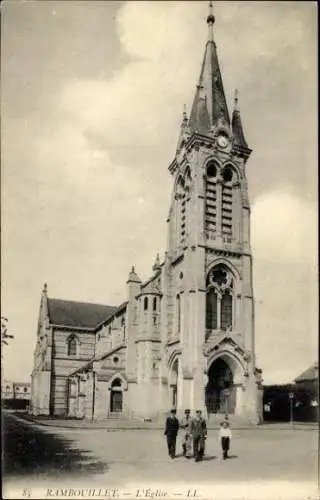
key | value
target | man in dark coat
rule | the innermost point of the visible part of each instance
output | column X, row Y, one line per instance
column 198, row 430
column 171, row 431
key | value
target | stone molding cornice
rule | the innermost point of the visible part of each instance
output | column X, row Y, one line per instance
column 172, row 342
column 147, row 339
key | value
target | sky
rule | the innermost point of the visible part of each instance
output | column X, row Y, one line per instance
column 92, row 98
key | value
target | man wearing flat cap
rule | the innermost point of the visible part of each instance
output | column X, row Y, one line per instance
column 198, row 429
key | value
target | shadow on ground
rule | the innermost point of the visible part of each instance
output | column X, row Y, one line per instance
column 207, row 458
column 28, row 450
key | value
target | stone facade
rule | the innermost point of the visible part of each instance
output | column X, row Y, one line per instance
column 185, row 337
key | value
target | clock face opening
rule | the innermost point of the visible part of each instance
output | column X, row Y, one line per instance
column 222, row 141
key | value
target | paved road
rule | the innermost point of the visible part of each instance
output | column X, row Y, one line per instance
column 55, row 457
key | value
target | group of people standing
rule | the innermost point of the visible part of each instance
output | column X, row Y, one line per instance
column 194, row 435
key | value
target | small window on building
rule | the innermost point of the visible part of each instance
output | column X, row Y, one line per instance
column 145, row 304
column 178, row 312
column 72, row 346
column 116, row 359
column 155, row 303
column 18, row 389
column 25, row 389
column 110, row 329
column 8, row 388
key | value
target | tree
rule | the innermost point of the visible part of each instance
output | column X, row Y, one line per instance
column 4, row 329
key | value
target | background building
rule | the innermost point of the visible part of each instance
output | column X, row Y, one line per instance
column 185, row 336
column 15, row 395
column 299, row 401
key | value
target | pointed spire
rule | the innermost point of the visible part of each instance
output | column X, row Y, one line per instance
column 210, row 83
column 156, row 266
column 236, row 124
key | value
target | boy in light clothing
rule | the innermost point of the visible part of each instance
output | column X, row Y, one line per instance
column 225, row 438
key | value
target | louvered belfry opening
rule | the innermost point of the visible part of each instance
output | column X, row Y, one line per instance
column 227, row 176
column 211, row 198
column 183, row 216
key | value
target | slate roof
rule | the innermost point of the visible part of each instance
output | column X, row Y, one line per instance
column 78, row 314
column 209, row 90
column 309, row 375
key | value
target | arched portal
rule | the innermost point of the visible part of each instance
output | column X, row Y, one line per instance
column 220, row 391
column 116, row 396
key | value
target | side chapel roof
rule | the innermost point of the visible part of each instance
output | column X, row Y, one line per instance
column 78, row 314
column 309, row 375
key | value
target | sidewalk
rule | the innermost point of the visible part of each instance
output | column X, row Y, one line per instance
column 122, row 424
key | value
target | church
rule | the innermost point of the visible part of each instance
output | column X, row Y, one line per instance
column 184, row 338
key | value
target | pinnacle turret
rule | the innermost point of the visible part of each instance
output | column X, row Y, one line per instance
column 236, row 124
column 133, row 277
column 156, row 266
column 184, row 128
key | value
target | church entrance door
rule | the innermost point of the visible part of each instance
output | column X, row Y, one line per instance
column 219, row 392
column 116, row 397
column 116, row 401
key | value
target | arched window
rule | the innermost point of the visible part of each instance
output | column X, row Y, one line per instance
column 145, row 304
column 72, row 346
column 212, row 310
column 219, row 299
column 178, row 313
column 226, row 311
column 123, row 325
column 155, row 303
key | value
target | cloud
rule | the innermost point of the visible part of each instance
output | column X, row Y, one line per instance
column 284, row 241
column 284, row 228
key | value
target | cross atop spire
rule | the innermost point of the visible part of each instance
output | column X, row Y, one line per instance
column 210, row 22
column 236, row 100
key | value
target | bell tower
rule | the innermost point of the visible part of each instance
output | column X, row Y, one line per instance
column 208, row 305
